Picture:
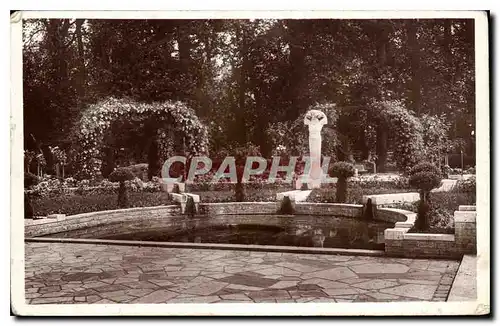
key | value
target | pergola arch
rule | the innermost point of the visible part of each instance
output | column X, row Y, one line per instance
column 406, row 132
column 97, row 119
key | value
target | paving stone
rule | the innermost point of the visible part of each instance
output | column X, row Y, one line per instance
column 206, row 288
column 299, row 267
column 268, row 294
column 323, row 300
column 111, row 288
column 304, row 299
column 51, row 300
column 183, row 273
column 117, row 296
column 244, row 288
column 416, row 281
column 383, row 296
column 138, row 292
column 253, row 281
column 335, row 292
column 161, row 282
column 281, row 271
column 150, row 275
column 330, row 274
column 140, row 285
column 375, row 284
column 103, row 301
column 216, row 275
column 31, row 290
column 380, row 269
column 48, row 289
column 418, row 291
column 58, row 294
column 32, row 295
column 159, row 296
column 283, row 284
column 325, row 284
column 312, row 293
column 197, row 299
column 235, row 296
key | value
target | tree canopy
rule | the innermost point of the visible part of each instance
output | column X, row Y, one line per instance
column 244, row 77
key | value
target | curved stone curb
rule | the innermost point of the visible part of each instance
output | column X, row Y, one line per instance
column 224, row 246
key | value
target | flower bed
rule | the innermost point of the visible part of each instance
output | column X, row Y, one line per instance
column 71, row 204
column 443, row 205
column 355, row 193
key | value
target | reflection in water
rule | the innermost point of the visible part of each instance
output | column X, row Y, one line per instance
column 302, row 231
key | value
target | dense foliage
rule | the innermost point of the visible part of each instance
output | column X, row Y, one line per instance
column 30, row 180
column 247, row 79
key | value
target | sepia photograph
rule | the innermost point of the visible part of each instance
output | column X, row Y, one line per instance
column 286, row 163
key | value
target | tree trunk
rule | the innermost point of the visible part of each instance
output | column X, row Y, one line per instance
column 108, row 165
column 382, row 137
column 341, row 193
column 28, row 207
column 297, row 47
column 153, row 160
column 122, row 195
column 241, row 134
column 415, row 84
column 423, row 218
column 81, row 76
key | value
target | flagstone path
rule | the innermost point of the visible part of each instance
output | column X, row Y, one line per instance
column 91, row 273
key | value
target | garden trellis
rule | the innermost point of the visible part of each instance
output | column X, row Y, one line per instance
column 97, row 119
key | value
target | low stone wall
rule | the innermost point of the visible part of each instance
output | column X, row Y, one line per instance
column 384, row 199
column 35, row 228
column 398, row 242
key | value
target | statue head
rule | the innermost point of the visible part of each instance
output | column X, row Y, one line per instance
column 315, row 120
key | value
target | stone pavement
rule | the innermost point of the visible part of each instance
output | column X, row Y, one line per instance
column 465, row 284
column 92, row 273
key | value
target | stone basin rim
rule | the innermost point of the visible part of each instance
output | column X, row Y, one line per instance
column 216, row 246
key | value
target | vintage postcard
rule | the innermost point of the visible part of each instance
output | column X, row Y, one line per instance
column 274, row 163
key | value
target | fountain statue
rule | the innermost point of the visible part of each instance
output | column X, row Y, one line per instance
column 315, row 120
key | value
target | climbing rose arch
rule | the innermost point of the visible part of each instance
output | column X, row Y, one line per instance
column 97, row 119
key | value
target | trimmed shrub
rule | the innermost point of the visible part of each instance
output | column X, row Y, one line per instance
column 190, row 207
column 425, row 167
column 121, row 175
column 424, row 177
column 342, row 171
column 29, row 181
column 425, row 181
column 286, row 206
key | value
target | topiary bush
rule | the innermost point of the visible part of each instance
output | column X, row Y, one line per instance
column 239, row 192
column 286, row 206
column 190, row 207
column 424, row 177
column 29, row 181
column 121, row 175
column 342, row 171
column 424, row 167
